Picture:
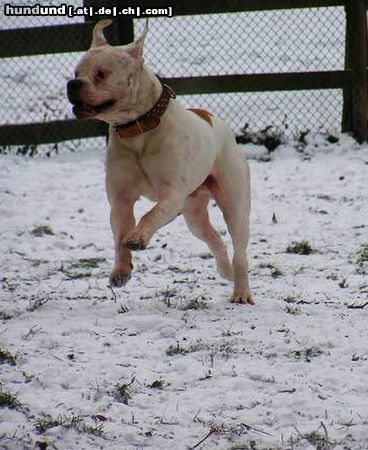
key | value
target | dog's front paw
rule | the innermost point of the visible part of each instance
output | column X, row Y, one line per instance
column 134, row 241
column 242, row 298
column 119, row 278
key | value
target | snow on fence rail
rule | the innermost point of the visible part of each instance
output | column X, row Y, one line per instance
column 245, row 62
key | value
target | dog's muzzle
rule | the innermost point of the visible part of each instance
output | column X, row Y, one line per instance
column 81, row 109
column 73, row 88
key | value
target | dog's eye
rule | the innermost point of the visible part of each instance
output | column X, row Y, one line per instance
column 100, row 75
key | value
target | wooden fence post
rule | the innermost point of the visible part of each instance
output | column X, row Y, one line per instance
column 355, row 109
column 125, row 29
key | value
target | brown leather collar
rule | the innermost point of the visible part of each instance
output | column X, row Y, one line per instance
column 150, row 120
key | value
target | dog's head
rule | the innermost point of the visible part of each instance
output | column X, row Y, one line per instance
column 106, row 78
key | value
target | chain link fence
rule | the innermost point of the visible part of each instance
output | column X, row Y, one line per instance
column 255, row 42
column 304, row 40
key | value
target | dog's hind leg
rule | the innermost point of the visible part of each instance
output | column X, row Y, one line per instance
column 196, row 216
column 231, row 190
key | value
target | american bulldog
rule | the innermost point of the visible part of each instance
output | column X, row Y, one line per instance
column 176, row 157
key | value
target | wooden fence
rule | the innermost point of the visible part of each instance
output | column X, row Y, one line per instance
column 352, row 80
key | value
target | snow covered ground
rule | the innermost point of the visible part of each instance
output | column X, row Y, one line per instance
column 167, row 362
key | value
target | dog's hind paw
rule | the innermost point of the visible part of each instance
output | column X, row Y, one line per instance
column 133, row 242
column 242, row 298
column 118, row 279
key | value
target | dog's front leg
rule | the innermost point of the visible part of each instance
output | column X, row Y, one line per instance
column 168, row 207
column 122, row 221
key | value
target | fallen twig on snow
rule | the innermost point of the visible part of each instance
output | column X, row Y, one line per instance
column 358, row 306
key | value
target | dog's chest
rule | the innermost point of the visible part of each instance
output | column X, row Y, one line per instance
column 149, row 177
column 129, row 167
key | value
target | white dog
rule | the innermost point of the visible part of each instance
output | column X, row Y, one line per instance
column 178, row 158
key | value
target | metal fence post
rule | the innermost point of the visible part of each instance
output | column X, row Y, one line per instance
column 355, row 110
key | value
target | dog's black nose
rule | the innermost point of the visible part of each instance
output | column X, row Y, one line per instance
column 76, row 83
column 73, row 88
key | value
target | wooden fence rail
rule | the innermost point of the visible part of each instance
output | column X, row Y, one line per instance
column 352, row 80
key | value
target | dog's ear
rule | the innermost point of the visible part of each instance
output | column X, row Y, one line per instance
column 135, row 49
column 98, row 38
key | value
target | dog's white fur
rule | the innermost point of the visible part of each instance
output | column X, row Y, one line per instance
column 179, row 165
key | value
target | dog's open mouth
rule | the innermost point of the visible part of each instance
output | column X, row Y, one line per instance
column 83, row 110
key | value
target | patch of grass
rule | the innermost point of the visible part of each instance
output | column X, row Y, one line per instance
column 80, row 268
column 291, row 299
column 195, row 303
column 362, row 260
column 271, row 137
column 326, row 197
column 87, row 263
column 295, row 310
column 187, row 281
column 68, row 422
column 332, row 139
column 300, row 138
column 363, row 254
column 233, row 430
column 42, row 230
column 42, row 444
column 42, row 425
column 7, row 357
column 37, row 302
column 230, row 333
column 7, row 284
column 223, row 349
column 167, row 296
column 307, row 354
column 172, row 298
column 319, row 441
column 317, row 438
column 37, row 262
column 250, row 445
column 122, row 392
column 300, row 248
column 8, row 400
column 13, row 440
column 177, row 269
column 176, row 350
column 76, row 275
column 275, row 271
column 205, row 256
column 194, row 347
column 5, row 315
column 157, row 384
column 297, row 300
